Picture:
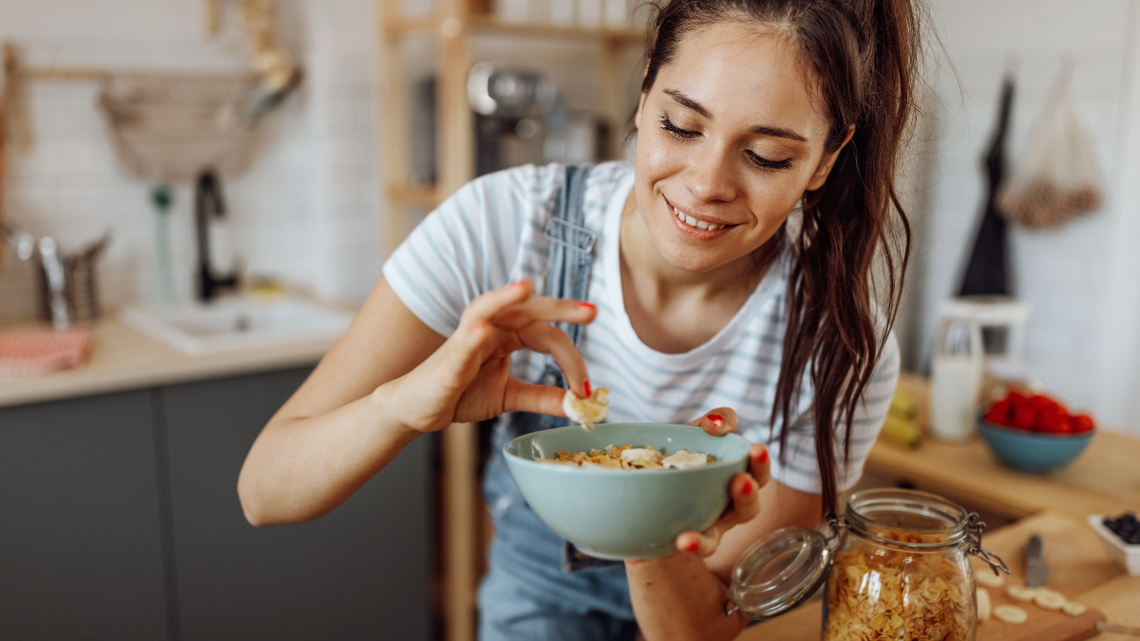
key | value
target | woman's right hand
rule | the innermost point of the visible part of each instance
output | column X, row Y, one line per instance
column 467, row 379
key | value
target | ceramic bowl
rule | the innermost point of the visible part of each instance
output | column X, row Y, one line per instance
column 1128, row 556
column 625, row 514
column 1034, row 452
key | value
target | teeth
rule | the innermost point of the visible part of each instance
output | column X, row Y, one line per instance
column 693, row 222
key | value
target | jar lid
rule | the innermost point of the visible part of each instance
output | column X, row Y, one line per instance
column 779, row 572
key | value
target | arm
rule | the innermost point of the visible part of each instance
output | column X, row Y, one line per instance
column 391, row 378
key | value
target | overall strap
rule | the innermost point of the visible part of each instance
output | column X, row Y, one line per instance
column 567, row 272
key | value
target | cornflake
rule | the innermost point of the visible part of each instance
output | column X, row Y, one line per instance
column 628, row 457
column 875, row 593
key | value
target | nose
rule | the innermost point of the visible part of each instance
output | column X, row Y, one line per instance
column 710, row 176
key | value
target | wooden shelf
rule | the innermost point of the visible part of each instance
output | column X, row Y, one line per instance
column 420, row 195
column 454, row 28
column 489, row 24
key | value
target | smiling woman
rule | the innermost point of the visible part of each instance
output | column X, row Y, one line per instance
column 681, row 289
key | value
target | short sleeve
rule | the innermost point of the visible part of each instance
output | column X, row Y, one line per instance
column 462, row 249
column 799, row 468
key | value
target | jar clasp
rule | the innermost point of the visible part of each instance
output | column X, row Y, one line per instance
column 975, row 526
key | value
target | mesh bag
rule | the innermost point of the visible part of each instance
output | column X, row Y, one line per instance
column 1059, row 176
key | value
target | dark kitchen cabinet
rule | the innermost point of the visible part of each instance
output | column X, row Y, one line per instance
column 119, row 519
column 80, row 528
column 359, row 572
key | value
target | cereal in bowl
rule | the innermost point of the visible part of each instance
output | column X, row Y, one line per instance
column 628, row 457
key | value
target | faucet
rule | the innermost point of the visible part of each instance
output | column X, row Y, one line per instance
column 208, row 203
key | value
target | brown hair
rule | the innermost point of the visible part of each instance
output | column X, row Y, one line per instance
column 863, row 55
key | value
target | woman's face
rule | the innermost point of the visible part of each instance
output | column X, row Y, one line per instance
column 729, row 138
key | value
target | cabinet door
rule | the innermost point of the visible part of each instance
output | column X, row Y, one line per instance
column 80, row 545
column 359, row 572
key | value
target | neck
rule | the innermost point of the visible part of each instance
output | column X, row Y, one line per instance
column 673, row 310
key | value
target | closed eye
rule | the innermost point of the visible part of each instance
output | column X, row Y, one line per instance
column 764, row 163
column 683, row 134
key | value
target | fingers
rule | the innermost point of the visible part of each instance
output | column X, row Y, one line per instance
column 486, row 306
column 541, row 337
column 759, row 465
column 528, row 397
column 745, row 492
column 544, row 309
column 718, row 422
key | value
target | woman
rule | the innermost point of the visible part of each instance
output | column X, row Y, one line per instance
column 697, row 293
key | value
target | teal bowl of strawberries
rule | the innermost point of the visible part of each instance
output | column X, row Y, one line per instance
column 1034, row 432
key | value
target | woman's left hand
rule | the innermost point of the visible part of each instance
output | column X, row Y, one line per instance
column 744, row 489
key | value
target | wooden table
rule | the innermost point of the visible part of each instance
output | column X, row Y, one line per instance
column 1105, row 479
column 1081, row 569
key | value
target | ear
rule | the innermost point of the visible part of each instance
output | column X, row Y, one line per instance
column 640, row 108
column 827, row 162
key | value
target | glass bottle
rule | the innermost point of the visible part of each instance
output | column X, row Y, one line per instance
column 956, row 375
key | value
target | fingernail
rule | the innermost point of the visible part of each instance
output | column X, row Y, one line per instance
column 763, row 458
column 717, row 420
column 586, row 385
column 746, row 488
column 518, row 283
column 693, row 546
column 587, row 305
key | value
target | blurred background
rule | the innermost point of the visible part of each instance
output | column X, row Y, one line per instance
column 333, row 126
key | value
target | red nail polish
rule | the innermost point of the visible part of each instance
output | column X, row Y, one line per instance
column 586, row 385
column 746, row 488
column 518, row 283
column 693, row 546
column 763, row 458
column 587, row 305
column 716, row 419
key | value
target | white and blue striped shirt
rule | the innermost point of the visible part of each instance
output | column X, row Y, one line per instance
column 490, row 233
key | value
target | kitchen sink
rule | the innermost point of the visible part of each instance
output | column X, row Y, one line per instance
column 237, row 323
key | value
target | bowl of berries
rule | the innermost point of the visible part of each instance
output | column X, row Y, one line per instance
column 1121, row 536
column 1034, row 432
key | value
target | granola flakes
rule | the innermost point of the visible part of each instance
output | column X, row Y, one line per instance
column 877, row 593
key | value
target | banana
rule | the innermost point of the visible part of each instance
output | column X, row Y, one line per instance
column 901, row 431
column 586, row 411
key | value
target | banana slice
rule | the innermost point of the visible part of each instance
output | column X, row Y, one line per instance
column 586, row 411
column 985, row 576
column 1049, row 599
column 1010, row 614
column 1021, row 593
column 1073, row 608
column 984, row 607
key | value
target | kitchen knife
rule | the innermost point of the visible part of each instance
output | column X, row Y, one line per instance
column 1036, row 571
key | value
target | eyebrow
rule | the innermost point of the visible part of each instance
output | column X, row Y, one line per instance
column 775, row 132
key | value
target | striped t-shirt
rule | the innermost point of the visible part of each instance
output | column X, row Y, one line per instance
column 489, row 233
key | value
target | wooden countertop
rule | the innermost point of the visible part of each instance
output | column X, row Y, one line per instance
column 1081, row 569
column 1103, row 480
column 122, row 358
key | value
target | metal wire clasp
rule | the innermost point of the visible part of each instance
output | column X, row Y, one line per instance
column 974, row 528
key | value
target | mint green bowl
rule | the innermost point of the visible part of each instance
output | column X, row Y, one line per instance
column 625, row 514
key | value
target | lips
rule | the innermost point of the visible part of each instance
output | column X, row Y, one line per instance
column 696, row 227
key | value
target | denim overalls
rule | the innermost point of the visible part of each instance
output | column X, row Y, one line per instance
column 537, row 587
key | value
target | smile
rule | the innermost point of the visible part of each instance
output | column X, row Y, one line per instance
column 689, row 221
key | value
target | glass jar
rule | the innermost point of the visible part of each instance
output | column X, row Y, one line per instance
column 901, row 571
column 894, row 568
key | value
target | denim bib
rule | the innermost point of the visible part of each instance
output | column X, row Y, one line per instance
column 524, row 548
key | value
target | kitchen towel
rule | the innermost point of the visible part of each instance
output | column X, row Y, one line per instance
column 41, row 351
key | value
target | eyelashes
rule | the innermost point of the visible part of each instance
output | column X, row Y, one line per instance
column 755, row 159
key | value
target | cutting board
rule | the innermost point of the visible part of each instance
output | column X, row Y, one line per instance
column 1075, row 556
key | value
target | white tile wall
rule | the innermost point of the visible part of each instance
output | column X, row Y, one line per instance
column 1061, row 273
column 306, row 211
